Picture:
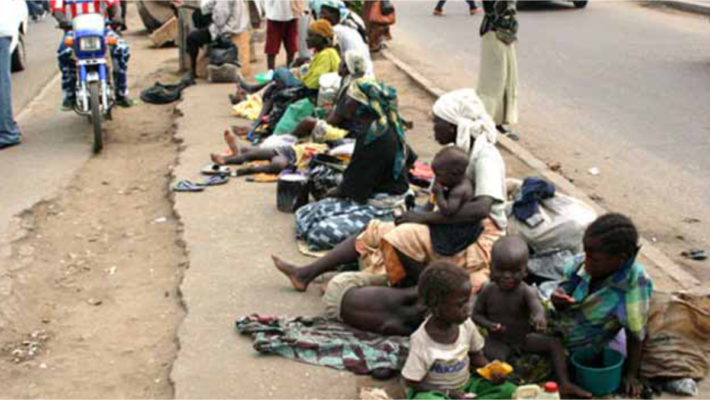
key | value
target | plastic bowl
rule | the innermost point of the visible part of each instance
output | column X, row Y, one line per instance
column 264, row 77
column 598, row 373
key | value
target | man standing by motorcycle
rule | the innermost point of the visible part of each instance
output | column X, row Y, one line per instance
column 65, row 11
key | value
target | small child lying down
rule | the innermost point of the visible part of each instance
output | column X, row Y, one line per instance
column 280, row 158
column 514, row 316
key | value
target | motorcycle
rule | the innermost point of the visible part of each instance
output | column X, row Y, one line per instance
column 90, row 39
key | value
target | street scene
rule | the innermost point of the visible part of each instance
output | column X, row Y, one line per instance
column 354, row 199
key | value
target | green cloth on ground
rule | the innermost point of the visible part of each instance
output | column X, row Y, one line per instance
column 295, row 113
column 482, row 388
column 324, row 62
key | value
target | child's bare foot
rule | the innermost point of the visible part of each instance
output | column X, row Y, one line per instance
column 569, row 390
column 217, row 159
column 240, row 130
column 231, row 141
column 291, row 273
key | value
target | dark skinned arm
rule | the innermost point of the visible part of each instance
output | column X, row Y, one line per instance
column 634, row 350
column 471, row 212
column 480, row 315
column 537, row 312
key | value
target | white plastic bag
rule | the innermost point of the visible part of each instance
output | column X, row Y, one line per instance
column 564, row 220
column 328, row 89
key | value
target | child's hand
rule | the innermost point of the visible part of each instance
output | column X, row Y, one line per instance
column 497, row 377
column 560, row 299
column 539, row 322
column 457, row 394
column 497, row 328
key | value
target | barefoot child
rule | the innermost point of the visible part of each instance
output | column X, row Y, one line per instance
column 279, row 158
column 514, row 315
column 447, row 345
column 605, row 292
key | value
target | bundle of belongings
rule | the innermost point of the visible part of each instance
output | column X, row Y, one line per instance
column 546, row 219
column 676, row 353
column 164, row 94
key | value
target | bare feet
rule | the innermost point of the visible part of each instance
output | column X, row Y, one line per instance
column 569, row 390
column 291, row 273
column 240, row 130
column 217, row 159
column 231, row 141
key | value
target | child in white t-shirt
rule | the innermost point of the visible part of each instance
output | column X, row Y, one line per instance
column 448, row 344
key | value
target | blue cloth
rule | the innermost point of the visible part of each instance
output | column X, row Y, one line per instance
column 285, row 78
column 120, row 54
column 531, row 193
column 9, row 131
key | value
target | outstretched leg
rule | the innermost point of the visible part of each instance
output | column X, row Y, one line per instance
column 301, row 277
column 255, row 154
column 276, row 165
column 537, row 343
column 381, row 309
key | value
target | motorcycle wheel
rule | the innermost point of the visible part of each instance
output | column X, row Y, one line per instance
column 96, row 116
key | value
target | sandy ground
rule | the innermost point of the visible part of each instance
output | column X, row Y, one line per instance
column 94, row 303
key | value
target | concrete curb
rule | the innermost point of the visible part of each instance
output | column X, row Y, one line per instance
column 696, row 7
column 665, row 264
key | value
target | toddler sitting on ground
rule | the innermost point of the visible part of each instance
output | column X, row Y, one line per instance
column 447, row 344
column 514, row 316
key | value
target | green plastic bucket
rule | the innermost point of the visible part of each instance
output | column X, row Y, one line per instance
column 598, row 373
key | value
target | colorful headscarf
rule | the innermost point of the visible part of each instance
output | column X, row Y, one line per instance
column 380, row 100
column 322, row 28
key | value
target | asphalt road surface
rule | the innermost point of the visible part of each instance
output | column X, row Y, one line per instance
column 42, row 41
column 618, row 86
column 54, row 144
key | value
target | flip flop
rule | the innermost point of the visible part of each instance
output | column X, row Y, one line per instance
column 215, row 180
column 215, row 169
column 696, row 255
column 187, row 186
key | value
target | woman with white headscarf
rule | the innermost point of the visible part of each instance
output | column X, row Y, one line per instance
column 395, row 254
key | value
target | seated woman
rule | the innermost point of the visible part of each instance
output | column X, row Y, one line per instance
column 325, row 60
column 375, row 182
column 349, row 31
column 385, row 247
column 287, row 152
column 606, row 292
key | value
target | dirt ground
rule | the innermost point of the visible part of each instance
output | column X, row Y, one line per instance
column 95, row 305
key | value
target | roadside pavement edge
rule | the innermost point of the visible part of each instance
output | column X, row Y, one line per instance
column 695, row 7
column 657, row 257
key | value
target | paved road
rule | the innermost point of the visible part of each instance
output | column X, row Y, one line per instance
column 55, row 144
column 618, row 86
column 42, row 42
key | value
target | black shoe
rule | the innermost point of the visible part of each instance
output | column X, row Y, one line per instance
column 124, row 102
column 508, row 133
column 6, row 145
column 68, row 104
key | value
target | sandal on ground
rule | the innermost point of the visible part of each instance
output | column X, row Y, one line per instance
column 215, row 180
column 216, row 169
column 187, row 186
column 696, row 255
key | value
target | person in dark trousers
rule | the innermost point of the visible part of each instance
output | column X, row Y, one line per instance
column 124, row 7
column 439, row 9
column 216, row 18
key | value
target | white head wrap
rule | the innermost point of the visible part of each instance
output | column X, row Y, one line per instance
column 355, row 60
column 465, row 109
